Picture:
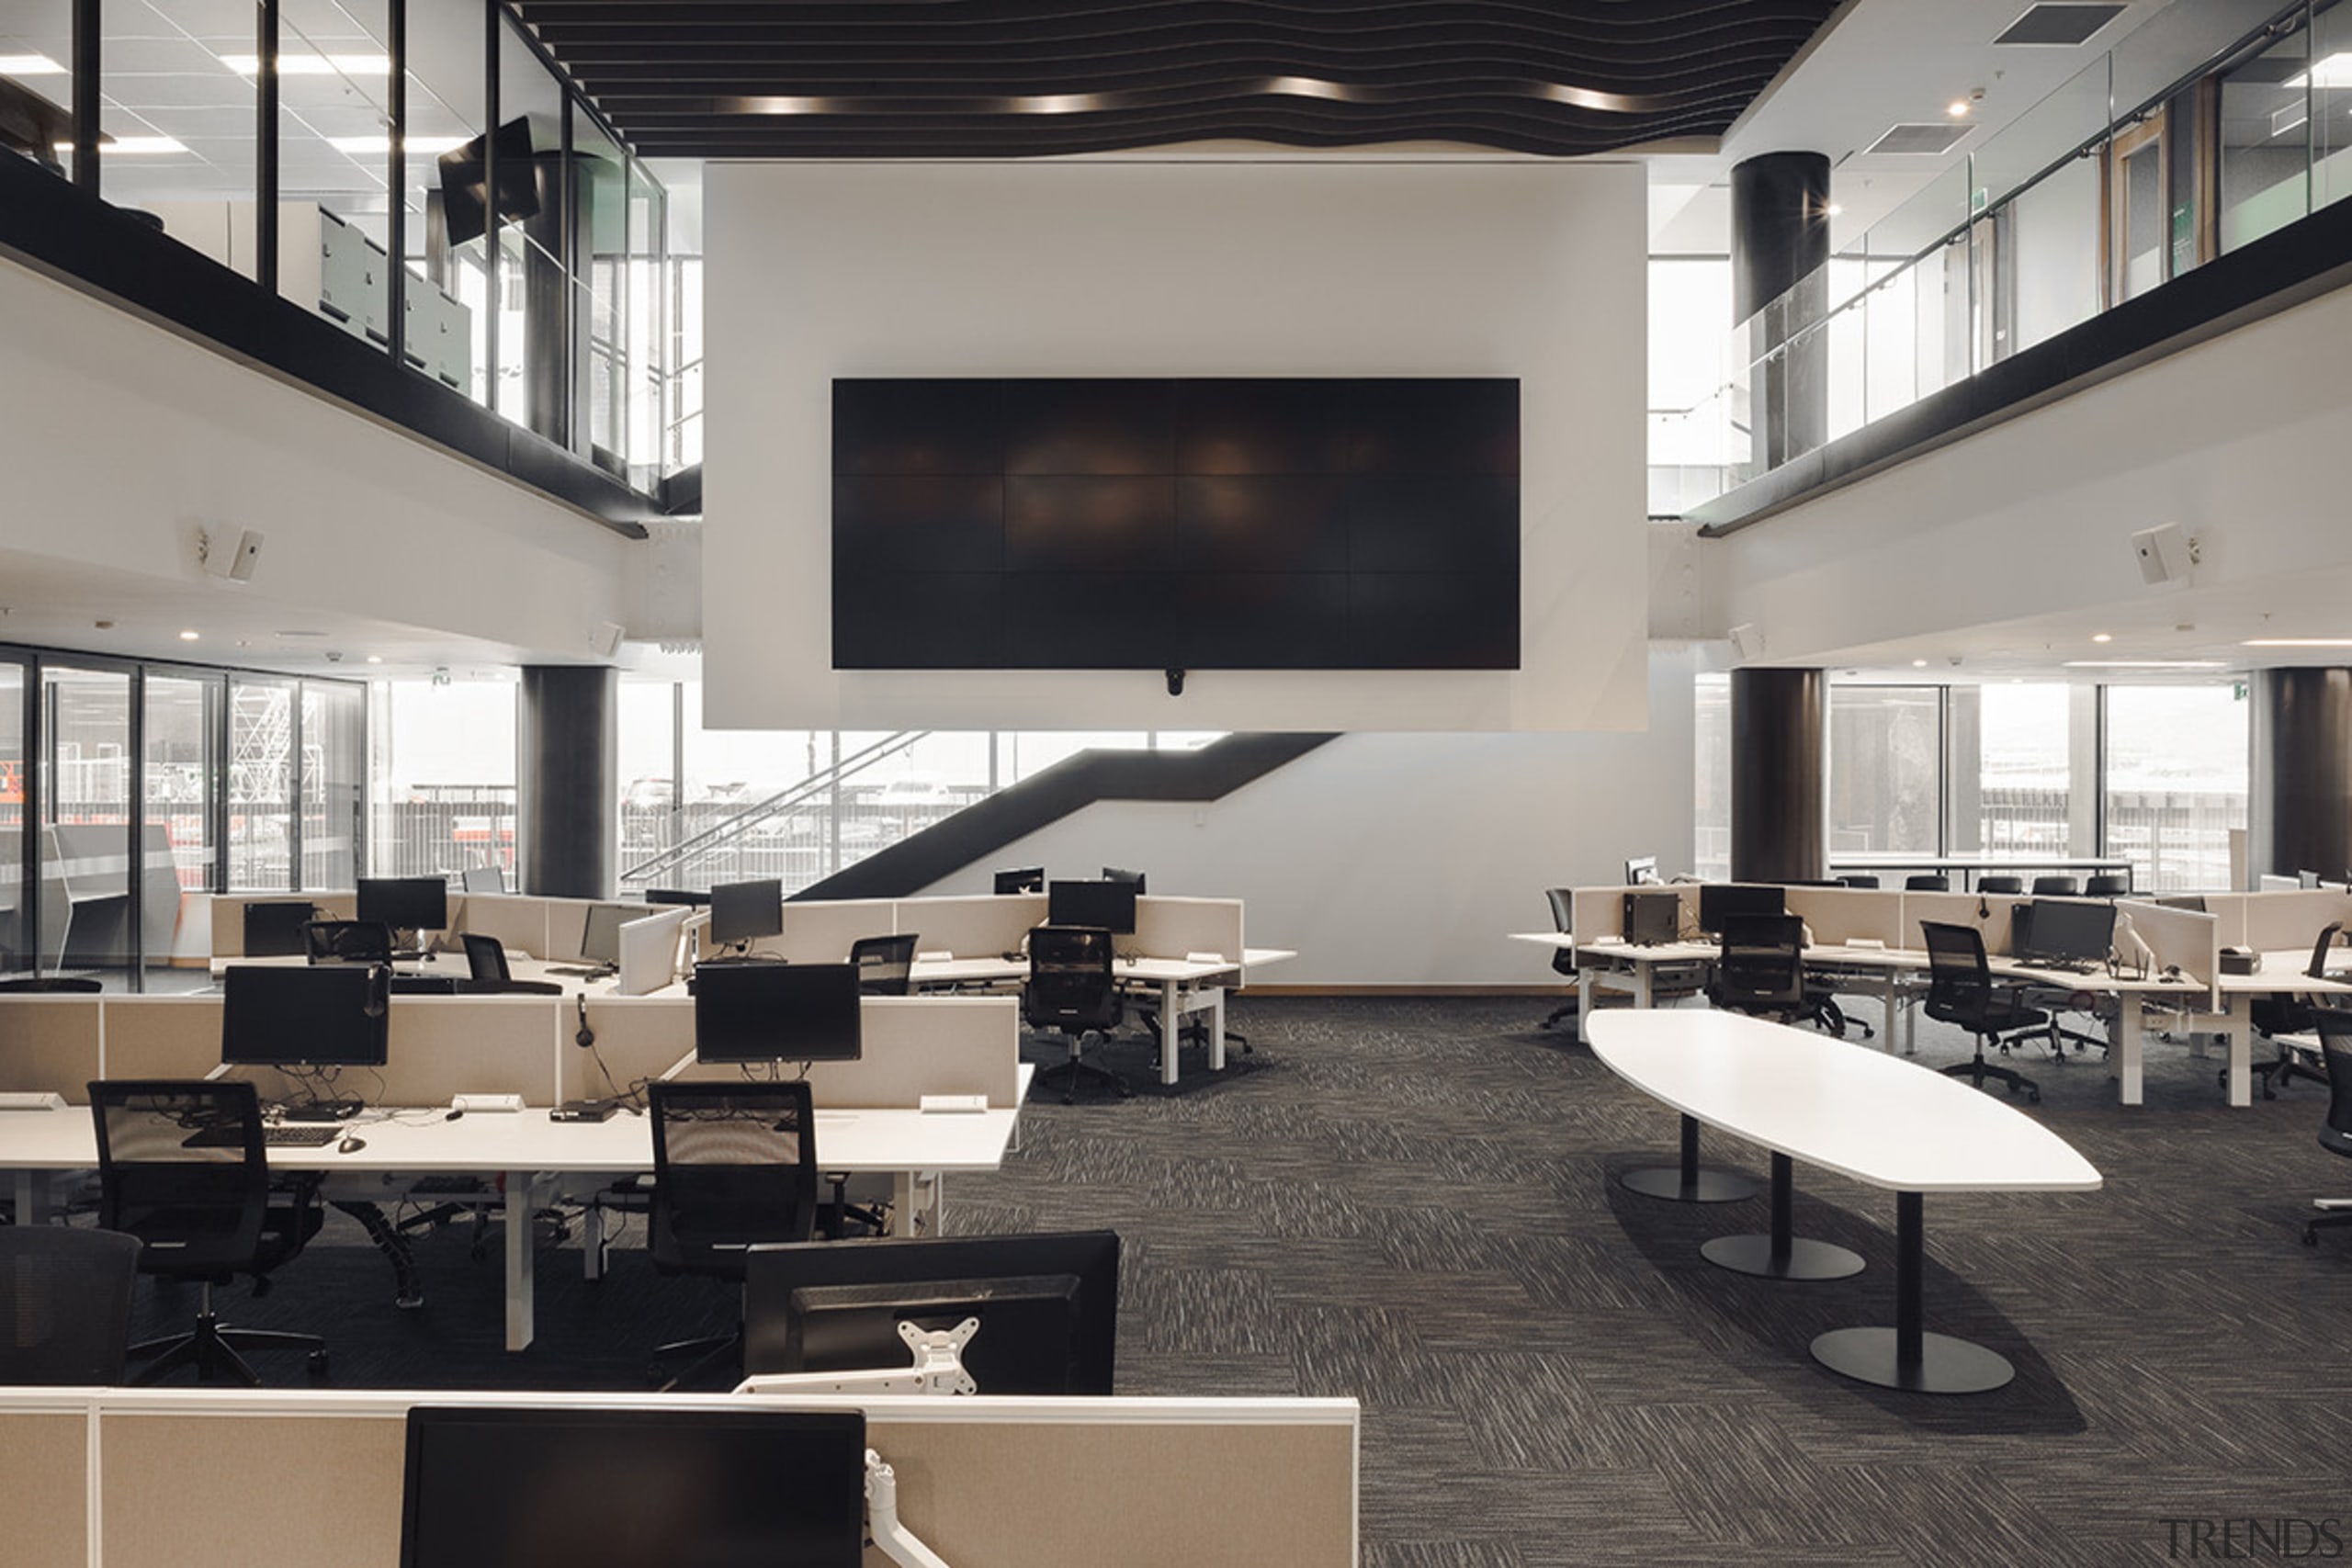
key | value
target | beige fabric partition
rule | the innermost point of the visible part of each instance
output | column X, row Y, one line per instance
column 176, row 1472
column 1960, row 909
column 2291, row 921
column 2180, row 937
column 163, row 1037
column 519, row 924
column 1839, row 915
column 1177, row 927
column 979, row 926
column 51, row 1043
column 821, row 932
column 1600, row 911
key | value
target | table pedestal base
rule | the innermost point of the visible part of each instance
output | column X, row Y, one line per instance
column 1687, row 1183
column 1803, row 1260
column 1945, row 1365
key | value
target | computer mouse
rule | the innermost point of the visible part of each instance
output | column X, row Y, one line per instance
column 352, row 1144
column 454, row 1114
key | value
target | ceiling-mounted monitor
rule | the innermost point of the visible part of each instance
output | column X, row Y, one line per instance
column 465, row 183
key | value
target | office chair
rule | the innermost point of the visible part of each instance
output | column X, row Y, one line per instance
column 488, row 975
column 884, row 962
column 2056, row 888
column 65, row 1304
column 2335, row 1132
column 484, row 879
column 1070, row 993
column 1961, row 991
column 1858, row 879
column 1926, row 882
column 2107, row 884
column 2000, row 884
column 1564, row 960
column 733, row 1164
column 182, row 1168
column 1759, row 967
column 77, row 984
column 347, row 942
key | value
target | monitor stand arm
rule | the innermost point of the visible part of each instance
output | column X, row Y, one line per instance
column 893, row 1540
column 938, row 1368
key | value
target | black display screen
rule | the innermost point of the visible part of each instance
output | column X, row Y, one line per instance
column 1202, row 525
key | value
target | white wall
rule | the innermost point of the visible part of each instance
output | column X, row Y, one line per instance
column 1278, row 268
column 1405, row 860
column 120, row 438
column 2239, row 440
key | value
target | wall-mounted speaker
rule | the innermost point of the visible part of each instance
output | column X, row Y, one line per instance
column 2166, row 552
column 231, row 555
column 605, row 638
column 1747, row 639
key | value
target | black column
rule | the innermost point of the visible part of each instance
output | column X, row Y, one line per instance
column 2302, row 767
column 567, row 778
column 1778, row 764
column 1780, row 242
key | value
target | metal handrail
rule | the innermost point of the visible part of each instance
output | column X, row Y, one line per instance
column 782, row 800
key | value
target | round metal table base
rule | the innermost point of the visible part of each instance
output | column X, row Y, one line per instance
column 1946, row 1365
column 1667, row 1181
column 1804, row 1259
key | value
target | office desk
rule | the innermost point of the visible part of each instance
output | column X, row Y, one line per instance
column 2281, row 975
column 536, row 1157
column 1872, row 1117
column 1184, row 985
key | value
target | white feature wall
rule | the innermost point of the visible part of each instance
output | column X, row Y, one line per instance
column 1135, row 268
column 1405, row 860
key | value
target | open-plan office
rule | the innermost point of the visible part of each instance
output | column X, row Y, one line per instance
column 956, row 784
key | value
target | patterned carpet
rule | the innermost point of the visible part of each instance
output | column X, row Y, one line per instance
column 1408, row 1201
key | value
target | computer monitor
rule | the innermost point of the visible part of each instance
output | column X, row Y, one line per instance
column 1108, row 905
column 274, row 926
column 484, row 879
column 411, row 903
column 600, row 933
column 1024, row 879
column 332, row 1017
column 465, row 183
column 1641, row 870
column 558, row 1487
column 2067, row 931
column 1114, row 873
column 650, row 953
column 741, row 911
column 1718, row 899
column 347, row 942
column 686, row 896
column 777, row 1013
column 1048, row 1306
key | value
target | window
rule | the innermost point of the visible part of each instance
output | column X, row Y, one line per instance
column 2013, row 753
column 261, row 785
column 2176, row 783
column 1885, row 770
column 1711, row 816
column 444, row 777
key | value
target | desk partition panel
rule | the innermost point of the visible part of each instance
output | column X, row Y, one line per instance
column 2292, row 920
column 519, row 924
column 51, row 1044
column 1176, row 928
column 1959, row 910
column 980, row 925
column 821, row 931
column 162, row 1037
column 169, row 1475
column 2181, row 937
column 1839, row 915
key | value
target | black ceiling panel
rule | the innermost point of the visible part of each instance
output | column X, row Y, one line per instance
column 1013, row 78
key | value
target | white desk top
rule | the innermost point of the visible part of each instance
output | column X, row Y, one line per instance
column 1877, row 1117
column 2282, row 971
column 1156, row 971
column 424, row 1141
column 2002, row 966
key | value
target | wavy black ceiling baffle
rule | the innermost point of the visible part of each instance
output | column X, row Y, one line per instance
column 1012, row 78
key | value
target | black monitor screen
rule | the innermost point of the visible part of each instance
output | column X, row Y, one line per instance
column 333, row 1016
column 1027, row 879
column 1718, row 899
column 406, row 903
column 777, row 1013
column 1048, row 1306
column 1641, row 870
column 465, row 182
column 1113, row 873
column 741, row 911
column 633, row 1488
column 600, row 933
column 2065, row 929
column 274, row 928
column 1109, row 905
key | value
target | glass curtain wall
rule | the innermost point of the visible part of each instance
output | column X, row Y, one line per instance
column 178, row 138
column 534, row 213
column 16, row 935
column 36, row 80
column 180, row 740
column 442, row 777
column 2176, row 781
column 1711, row 813
column 261, row 785
column 333, row 782
column 85, row 885
column 1885, row 770
column 334, row 150
column 447, row 318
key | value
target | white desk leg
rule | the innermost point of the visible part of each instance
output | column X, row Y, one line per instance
column 521, row 1256
column 2126, row 1050
column 1217, row 1028
column 1171, row 1030
column 919, row 1199
column 1585, row 992
column 592, row 1241
column 1641, row 984
column 32, row 1197
column 2239, row 1038
column 1890, row 999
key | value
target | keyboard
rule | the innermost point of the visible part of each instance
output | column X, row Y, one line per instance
column 301, row 1134
column 579, row 971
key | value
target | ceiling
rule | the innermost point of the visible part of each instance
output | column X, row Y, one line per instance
column 1011, row 78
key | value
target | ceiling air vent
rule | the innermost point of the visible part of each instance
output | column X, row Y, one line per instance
column 1928, row 138
column 2058, row 23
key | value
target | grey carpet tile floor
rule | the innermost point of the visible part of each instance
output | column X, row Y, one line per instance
column 1410, row 1202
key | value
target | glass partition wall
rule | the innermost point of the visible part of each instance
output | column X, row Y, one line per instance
column 306, row 143
column 131, row 790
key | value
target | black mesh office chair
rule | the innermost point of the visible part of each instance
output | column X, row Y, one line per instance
column 2056, row 888
column 1926, row 882
column 65, row 1304
column 1564, row 959
column 884, row 964
column 2107, row 884
column 1961, row 991
column 79, row 985
column 733, row 1164
column 1070, row 993
column 347, row 942
column 1858, row 879
column 182, row 1167
column 2003, row 883
column 487, row 974
column 1759, row 967
column 2335, row 1026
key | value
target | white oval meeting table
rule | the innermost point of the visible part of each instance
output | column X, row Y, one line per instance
column 1876, row 1118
